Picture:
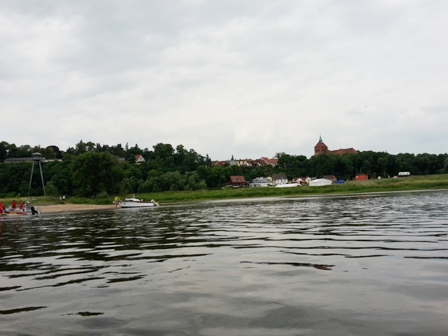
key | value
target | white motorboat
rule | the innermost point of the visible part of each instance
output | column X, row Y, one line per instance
column 137, row 203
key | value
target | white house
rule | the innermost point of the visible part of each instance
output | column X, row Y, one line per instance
column 260, row 182
column 278, row 179
column 139, row 158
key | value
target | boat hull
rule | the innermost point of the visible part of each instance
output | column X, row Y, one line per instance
column 136, row 204
column 20, row 212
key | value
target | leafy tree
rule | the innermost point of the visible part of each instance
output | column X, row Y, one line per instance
column 163, row 151
column 291, row 165
column 96, row 172
column 130, row 185
column 132, row 178
column 202, row 172
column 445, row 166
column 382, row 167
column 51, row 190
column 18, row 152
column 80, row 148
column 367, row 167
column 85, row 172
column 15, row 177
column 60, row 175
column 405, row 163
column 56, row 150
column 132, row 152
column 49, row 153
column 4, row 147
column 217, row 177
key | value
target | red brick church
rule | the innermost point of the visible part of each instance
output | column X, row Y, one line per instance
column 322, row 148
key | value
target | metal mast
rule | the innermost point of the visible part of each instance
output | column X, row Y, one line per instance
column 37, row 157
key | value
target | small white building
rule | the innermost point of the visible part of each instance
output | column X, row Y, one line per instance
column 260, row 182
column 139, row 158
column 279, row 179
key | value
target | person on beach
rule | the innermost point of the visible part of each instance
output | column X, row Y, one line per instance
column 116, row 200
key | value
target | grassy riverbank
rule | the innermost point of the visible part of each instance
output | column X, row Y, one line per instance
column 429, row 182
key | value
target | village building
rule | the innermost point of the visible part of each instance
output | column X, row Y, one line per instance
column 261, row 182
column 269, row 162
column 279, row 179
column 332, row 178
column 322, row 149
column 264, row 161
column 305, row 179
column 237, row 181
column 139, row 159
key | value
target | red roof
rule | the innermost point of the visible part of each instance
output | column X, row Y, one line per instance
column 343, row 151
column 237, row 179
column 272, row 162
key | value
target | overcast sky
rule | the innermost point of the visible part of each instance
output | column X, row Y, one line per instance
column 241, row 78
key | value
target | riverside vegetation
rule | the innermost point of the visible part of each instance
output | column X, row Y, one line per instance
column 96, row 173
column 413, row 183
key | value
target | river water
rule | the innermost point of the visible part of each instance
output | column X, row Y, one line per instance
column 355, row 265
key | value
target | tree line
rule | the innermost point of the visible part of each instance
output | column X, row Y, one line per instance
column 92, row 170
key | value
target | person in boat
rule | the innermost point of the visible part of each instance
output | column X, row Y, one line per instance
column 21, row 205
column 116, row 200
column 13, row 204
column 2, row 207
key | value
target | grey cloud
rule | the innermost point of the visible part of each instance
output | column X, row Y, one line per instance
column 219, row 74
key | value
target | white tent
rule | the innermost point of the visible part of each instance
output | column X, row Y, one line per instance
column 320, row 182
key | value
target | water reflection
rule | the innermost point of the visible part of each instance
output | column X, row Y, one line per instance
column 342, row 265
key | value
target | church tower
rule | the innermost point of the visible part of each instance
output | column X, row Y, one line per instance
column 320, row 147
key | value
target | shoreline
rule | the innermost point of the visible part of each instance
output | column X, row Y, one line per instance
column 58, row 208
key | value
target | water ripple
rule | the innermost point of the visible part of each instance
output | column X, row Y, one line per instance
column 285, row 266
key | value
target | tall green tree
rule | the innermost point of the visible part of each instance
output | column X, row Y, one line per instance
column 96, row 172
column 3, row 150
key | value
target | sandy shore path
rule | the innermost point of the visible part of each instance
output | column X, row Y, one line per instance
column 72, row 207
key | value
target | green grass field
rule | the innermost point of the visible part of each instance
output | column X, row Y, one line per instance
column 428, row 182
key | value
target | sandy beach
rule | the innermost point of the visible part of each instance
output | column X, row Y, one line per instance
column 72, row 207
